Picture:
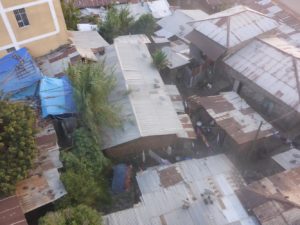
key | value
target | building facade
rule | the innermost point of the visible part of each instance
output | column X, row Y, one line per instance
column 38, row 25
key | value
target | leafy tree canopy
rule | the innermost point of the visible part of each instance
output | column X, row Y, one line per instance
column 144, row 25
column 160, row 60
column 92, row 85
column 79, row 215
column 85, row 168
column 118, row 22
column 71, row 14
column 17, row 144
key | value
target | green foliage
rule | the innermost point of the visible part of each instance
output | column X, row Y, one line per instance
column 17, row 144
column 85, row 171
column 71, row 14
column 160, row 60
column 117, row 23
column 144, row 25
column 92, row 85
column 79, row 215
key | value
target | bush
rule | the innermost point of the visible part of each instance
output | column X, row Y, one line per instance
column 80, row 215
column 17, row 144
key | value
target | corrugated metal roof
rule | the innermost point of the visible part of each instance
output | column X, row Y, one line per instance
column 146, row 109
column 289, row 159
column 176, row 98
column 274, row 199
column 177, row 23
column 98, row 3
column 10, row 212
column 270, row 64
column 87, row 43
column 132, row 39
column 159, row 8
column 43, row 185
column 166, row 189
column 234, row 115
column 234, row 26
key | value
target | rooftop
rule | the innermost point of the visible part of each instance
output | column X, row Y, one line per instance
column 273, row 60
column 88, row 43
column 43, row 185
column 231, row 28
column 234, row 115
column 274, row 199
column 289, row 159
column 196, row 191
column 177, row 23
column 140, row 92
column 98, row 3
column 11, row 212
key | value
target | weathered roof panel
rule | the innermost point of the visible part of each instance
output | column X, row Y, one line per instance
column 271, row 64
column 234, row 26
column 11, row 212
column 234, row 115
column 289, row 159
column 166, row 189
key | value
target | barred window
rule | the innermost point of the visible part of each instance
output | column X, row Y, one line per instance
column 21, row 17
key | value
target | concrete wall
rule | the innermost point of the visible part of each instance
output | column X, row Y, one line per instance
column 46, row 30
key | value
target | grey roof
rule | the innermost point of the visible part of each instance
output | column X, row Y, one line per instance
column 140, row 93
column 177, row 23
column 165, row 189
column 273, row 60
column 234, row 26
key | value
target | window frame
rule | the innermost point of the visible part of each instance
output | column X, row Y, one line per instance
column 21, row 17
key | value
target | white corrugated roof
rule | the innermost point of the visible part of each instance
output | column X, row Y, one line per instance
column 159, row 8
column 235, row 26
column 146, row 108
column 164, row 190
column 177, row 23
column 270, row 64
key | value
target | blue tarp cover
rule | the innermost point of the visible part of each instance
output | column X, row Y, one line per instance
column 18, row 71
column 56, row 96
column 119, row 178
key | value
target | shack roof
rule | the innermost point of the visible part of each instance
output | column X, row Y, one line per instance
column 11, row 212
column 274, row 199
column 174, row 195
column 159, row 8
column 235, row 116
column 273, row 60
column 289, row 159
column 175, row 97
column 43, row 185
column 177, row 23
column 230, row 28
column 55, row 63
column 140, row 92
column 87, row 43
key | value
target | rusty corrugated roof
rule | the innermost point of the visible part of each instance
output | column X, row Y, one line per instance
column 234, row 115
column 274, row 199
column 10, row 212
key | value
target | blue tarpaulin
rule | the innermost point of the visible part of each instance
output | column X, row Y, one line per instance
column 56, row 96
column 18, row 71
column 119, row 178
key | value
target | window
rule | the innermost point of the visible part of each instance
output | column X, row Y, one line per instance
column 21, row 17
column 9, row 50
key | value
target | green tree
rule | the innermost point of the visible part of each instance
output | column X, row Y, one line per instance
column 160, row 60
column 92, row 85
column 71, row 14
column 17, row 144
column 84, row 178
column 79, row 215
column 118, row 22
column 144, row 25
